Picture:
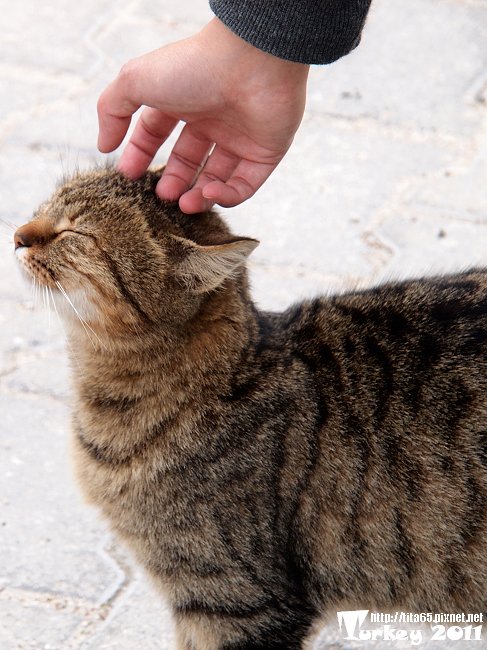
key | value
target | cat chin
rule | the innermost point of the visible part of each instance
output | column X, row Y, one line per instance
column 24, row 273
column 24, row 269
column 76, row 305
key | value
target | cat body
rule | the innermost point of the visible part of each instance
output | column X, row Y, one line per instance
column 267, row 469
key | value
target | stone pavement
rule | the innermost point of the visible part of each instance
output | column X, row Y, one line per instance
column 387, row 178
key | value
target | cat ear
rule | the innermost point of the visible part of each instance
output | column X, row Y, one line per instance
column 203, row 268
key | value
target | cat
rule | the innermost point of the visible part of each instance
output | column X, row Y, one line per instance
column 266, row 468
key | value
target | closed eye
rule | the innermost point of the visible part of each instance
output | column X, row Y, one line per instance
column 72, row 231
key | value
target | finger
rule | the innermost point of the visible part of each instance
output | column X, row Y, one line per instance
column 114, row 114
column 193, row 202
column 187, row 157
column 131, row 89
column 219, row 166
column 243, row 183
column 152, row 129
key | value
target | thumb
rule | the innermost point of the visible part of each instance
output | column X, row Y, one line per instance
column 116, row 105
column 141, row 81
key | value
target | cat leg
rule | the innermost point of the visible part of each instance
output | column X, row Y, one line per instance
column 227, row 634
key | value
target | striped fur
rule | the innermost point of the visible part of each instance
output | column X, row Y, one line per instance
column 268, row 468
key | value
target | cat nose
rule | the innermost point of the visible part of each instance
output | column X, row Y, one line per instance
column 30, row 234
column 21, row 238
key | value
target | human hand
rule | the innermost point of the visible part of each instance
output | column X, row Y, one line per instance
column 241, row 107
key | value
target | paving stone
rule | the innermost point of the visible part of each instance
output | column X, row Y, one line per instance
column 44, row 374
column 49, row 539
column 19, row 100
column 139, row 619
column 28, row 333
column 58, row 39
column 66, row 133
column 420, row 65
column 192, row 14
column 458, row 190
column 10, row 280
column 430, row 241
column 35, row 626
column 276, row 287
column 133, row 34
column 29, row 176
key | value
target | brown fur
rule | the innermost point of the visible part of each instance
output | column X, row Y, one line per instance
column 266, row 468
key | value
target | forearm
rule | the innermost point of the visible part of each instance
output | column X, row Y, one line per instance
column 305, row 31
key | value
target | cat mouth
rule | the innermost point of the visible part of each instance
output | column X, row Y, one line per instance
column 68, row 303
column 33, row 269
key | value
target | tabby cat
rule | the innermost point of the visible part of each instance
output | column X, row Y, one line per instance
column 266, row 468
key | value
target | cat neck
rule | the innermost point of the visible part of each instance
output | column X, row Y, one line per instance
column 215, row 333
column 122, row 394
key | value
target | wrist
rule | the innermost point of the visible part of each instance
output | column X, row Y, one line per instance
column 246, row 65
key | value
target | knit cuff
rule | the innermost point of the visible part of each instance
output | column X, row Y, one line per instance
column 305, row 31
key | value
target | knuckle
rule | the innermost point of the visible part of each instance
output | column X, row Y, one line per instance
column 101, row 105
column 185, row 161
column 127, row 71
column 243, row 187
column 209, row 177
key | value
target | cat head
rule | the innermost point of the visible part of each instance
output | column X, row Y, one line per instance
column 120, row 258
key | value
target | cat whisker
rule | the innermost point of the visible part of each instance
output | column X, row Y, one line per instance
column 9, row 224
column 35, row 289
column 48, row 307
column 71, row 349
column 81, row 320
column 85, row 325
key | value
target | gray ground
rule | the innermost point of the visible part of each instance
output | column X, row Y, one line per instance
column 387, row 178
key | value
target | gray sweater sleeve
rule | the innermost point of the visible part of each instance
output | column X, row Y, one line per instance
column 306, row 31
